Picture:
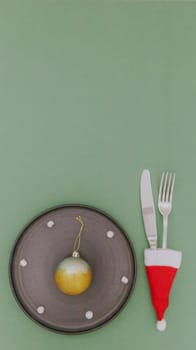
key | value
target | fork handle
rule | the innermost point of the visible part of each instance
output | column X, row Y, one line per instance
column 165, row 224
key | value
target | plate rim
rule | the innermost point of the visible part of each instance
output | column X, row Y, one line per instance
column 17, row 241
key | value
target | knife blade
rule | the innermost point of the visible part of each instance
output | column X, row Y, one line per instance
column 148, row 209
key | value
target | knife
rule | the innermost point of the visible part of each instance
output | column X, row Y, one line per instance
column 148, row 209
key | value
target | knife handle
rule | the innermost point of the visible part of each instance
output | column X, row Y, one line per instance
column 152, row 243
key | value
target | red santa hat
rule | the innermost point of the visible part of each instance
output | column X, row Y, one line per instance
column 161, row 267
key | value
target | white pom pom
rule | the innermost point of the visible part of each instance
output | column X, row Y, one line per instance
column 161, row 325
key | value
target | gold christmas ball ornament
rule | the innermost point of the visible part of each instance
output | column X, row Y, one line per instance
column 73, row 275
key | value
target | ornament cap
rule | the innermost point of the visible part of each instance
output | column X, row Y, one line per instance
column 75, row 254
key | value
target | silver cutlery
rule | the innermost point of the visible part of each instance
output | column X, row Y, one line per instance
column 165, row 201
column 148, row 209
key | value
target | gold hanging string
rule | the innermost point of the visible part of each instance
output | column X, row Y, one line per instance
column 76, row 246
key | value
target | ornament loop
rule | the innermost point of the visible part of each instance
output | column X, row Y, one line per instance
column 76, row 246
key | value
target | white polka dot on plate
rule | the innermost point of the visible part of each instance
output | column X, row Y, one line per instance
column 124, row 280
column 40, row 309
column 50, row 223
column 110, row 234
column 89, row 315
column 23, row 262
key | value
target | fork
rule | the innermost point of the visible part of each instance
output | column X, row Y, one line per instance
column 165, row 201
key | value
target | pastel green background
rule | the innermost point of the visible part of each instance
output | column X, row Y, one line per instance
column 92, row 92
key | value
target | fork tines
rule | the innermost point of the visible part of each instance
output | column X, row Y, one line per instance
column 166, row 187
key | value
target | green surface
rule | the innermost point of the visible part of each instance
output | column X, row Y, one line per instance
column 92, row 92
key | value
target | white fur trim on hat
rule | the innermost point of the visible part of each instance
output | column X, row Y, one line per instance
column 161, row 325
column 162, row 257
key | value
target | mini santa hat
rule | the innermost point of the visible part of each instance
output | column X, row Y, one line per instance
column 161, row 267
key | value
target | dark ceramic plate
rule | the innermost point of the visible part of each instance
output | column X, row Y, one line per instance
column 45, row 242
